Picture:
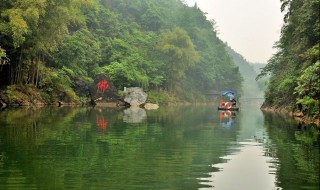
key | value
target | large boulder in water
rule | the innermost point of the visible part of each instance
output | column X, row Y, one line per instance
column 103, row 89
column 135, row 96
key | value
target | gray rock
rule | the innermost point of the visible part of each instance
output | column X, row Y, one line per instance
column 81, row 87
column 135, row 96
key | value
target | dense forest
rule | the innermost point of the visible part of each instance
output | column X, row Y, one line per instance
column 164, row 46
column 295, row 68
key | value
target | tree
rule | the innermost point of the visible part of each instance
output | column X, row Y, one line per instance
column 81, row 53
column 32, row 31
column 178, row 54
column 308, row 89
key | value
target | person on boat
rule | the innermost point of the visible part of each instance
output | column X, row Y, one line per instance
column 222, row 102
column 233, row 100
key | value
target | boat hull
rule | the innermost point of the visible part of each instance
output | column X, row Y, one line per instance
column 230, row 109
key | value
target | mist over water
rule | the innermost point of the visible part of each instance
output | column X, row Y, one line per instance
column 250, row 87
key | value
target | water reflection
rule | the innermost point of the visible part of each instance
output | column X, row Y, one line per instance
column 101, row 123
column 296, row 148
column 245, row 168
column 172, row 148
column 246, row 165
column 134, row 115
column 227, row 118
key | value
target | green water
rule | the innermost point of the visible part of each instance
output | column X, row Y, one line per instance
column 169, row 148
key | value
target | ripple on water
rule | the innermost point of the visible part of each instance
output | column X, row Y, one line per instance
column 245, row 167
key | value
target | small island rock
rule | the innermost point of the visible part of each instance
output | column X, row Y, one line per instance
column 135, row 96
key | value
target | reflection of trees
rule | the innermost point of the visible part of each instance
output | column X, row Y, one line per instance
column 296, row 152
column 60, row 148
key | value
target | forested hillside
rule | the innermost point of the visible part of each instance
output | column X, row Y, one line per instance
column 295, row 68
column 163, row 46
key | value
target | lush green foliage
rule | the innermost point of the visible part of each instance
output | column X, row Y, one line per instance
column 177, row 49
column 154, row 44
column 295, row 70
column 308, row 89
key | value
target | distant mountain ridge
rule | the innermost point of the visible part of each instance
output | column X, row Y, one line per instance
column 249, row 71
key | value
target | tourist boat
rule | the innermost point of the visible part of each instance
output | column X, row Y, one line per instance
column 229, row 101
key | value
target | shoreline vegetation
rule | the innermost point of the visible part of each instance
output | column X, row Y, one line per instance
column 25, row 101
column 298, row 116
column 21, row 97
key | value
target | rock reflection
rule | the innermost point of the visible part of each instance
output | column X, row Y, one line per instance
column 134, row 115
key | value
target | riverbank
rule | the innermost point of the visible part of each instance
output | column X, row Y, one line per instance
column 29, row 96
column 298, row 116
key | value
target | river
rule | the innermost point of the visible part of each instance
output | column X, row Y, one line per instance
column 186, row 147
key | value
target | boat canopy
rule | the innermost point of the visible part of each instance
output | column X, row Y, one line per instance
column 226, row 92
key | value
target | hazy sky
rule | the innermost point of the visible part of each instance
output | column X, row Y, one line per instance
column 251, row 27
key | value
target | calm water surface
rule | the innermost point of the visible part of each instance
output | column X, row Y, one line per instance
column 170, row 148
